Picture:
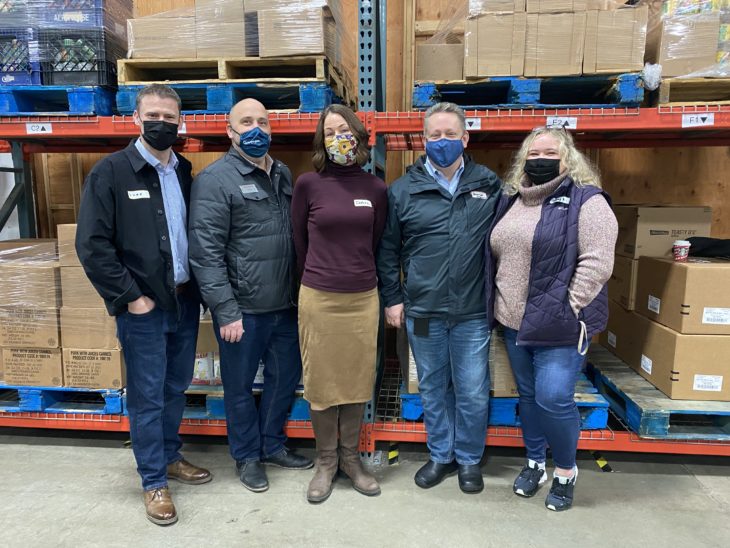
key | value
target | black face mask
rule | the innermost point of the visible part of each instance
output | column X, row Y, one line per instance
column 542, row 170
column 158, row 134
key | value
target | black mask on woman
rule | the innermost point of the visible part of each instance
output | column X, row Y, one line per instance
column 542, row 170
column 159, row 134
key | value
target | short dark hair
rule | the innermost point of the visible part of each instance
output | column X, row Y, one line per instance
column 319, row 152
column 160, row 90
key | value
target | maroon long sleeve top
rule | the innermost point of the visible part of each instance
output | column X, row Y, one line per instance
column 338, row 218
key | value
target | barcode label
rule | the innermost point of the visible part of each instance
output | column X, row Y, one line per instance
column 708, row 383
column 646, row 364
column 654, row 304
column 612, row 339
column 716, row 316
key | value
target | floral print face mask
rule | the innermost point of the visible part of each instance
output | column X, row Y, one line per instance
column 341, row 148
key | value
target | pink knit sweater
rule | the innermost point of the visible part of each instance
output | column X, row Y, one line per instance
column 511, row 243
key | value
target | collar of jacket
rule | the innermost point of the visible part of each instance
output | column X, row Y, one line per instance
column 244, row 166
column 473, row 177
column 138, row 162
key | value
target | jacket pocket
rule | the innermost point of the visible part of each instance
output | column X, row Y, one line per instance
column 415, row 284
column 258, row 207
column 243, row 280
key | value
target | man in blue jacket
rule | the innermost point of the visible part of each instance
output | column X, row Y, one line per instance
column 438, row 216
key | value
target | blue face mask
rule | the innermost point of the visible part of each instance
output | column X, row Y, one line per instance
column 254, row 143
column 444, row 152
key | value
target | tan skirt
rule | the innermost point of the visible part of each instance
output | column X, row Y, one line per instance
column 338, row 335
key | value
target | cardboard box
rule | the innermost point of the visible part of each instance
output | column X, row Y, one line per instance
column 615, row 40
column 149, row 37
column 21, row 249
column 219, row 10
column 67, row 245
column 622, row 284
column 90, row 328
column 556, row 6
column 2, row 367
column 29, row 327
column 555, row 43
column 683, row 44
column 33, row 366
column 646, row 230
column 219, row 28
column 407, row 363
column 684, row 367
column 93, row 368
column 207, row 341
column 478, row 7
column 77, row 291
column 285, row 32
column 32, row 284
column 500, row 369
column 691, row 298
column 258, row 5
column 494, row 45
column 436, row 62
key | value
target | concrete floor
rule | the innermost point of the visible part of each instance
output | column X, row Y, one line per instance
column 74, row 489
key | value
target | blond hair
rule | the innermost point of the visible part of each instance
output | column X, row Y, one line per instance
column 577, row 166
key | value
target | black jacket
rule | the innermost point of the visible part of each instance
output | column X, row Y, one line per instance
column 438, row 242
column 123, row 243
column 241, row 247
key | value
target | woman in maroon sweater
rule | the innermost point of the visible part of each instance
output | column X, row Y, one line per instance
column 338, row 215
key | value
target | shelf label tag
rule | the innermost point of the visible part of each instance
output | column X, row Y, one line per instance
column 565, row 122
column 38, row 128
column 182, row 128
column 473, row 124
column 698, row 120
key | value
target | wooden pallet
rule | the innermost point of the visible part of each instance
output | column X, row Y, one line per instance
column 310, row 68
column 649, row 412
column 694, row 91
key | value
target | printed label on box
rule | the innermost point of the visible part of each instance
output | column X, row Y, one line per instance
column 708, row 383
column 716, row 316
column 654, row 304
column 646, row 364
column 612, row 339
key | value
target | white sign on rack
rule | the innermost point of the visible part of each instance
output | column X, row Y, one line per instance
column 698, row 120
column 473, row 124
column 38, row 128
column 564, row 122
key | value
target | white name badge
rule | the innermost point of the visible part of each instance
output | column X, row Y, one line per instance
column 138, row 194
column 560, row 200
column 479, row 195
column 363, row 203
column 249, row 189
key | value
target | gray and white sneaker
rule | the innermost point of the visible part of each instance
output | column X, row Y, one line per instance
column 530, row 479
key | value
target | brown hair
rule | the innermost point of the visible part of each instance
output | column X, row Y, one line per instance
column 319, row 154
column 160, row 90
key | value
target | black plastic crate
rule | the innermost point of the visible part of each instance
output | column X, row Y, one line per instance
column 14, row 13
column 71, row 57
column 19, row 57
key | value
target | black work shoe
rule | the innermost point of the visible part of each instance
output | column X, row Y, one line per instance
column 470, row 478
column 560, row 496
column 529, row 480
column 253, row 476
column 289, row 460
column 432, row 473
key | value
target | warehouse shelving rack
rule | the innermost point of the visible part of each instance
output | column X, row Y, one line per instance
column 697, row 125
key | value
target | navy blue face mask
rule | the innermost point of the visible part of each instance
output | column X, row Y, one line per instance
column 254, row 143
column 444, row 152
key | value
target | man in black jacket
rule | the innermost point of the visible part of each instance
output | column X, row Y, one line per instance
column 132, row 242
column 438, row 216
column 242, row 254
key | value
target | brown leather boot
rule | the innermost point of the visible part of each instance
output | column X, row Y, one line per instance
column 350, row 463
column 184, row 472
column 159, row 506
column 324, row 424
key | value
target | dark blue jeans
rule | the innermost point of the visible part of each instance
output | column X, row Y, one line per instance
column 159, row 353
column 453, row 379
column 546, row 378
column 273, row 337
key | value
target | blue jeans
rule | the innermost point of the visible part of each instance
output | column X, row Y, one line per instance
column 546, row 378
column 453, row 378
column 159, row 353
column 272, row 337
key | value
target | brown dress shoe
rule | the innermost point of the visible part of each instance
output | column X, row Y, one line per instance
column 184, row 472
column 159, row 506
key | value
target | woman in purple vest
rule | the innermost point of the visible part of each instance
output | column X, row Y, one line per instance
column 549, row 255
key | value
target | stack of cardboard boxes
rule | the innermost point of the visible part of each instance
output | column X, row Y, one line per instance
column 670, row 321
column 30, row 297
column 92, row 356
column 207, row 358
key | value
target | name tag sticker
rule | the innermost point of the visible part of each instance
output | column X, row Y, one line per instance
column 363, row 203
column 249, row 189
column 479, row 195
column 560, row 200
column 138, row 194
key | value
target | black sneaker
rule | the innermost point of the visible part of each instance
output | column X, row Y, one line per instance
column 529, row 480
column 560, row 496
column 290, row 461
column 253, row 476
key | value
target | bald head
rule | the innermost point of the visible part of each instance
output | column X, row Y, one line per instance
column 247, row 108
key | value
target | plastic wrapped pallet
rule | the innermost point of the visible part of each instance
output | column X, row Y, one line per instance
column 340, row 42
column 441, row 57
column 494, row 45
column 615, row 40
column 108, row 15
column 149, row 37
column 296, row 30
column 555, row 44
column 220, row 29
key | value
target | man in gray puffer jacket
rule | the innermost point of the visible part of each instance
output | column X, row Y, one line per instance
column 242, row 254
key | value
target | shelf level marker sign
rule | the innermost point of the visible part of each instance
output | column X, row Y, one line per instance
column 564, row 122
column 38, row 128
column 473, row 124
column 698, row 120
